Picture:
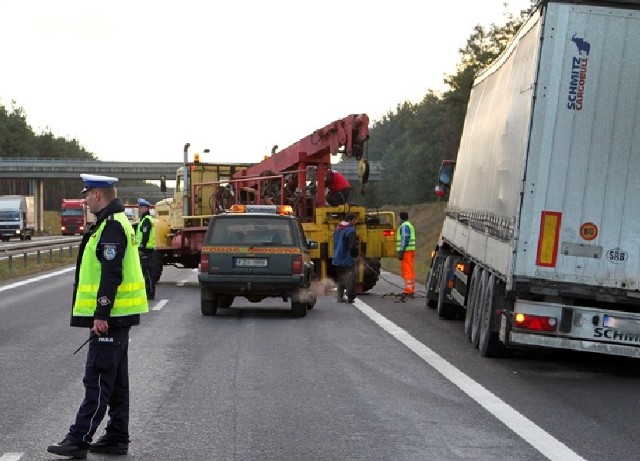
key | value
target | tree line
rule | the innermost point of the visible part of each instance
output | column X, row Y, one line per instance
column 18, row 139
column 411, row 140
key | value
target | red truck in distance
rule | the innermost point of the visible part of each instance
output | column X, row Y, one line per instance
column 75, row 217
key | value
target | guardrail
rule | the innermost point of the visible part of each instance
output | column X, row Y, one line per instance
column 44, row 159
column 27, row 245
column 37, row 257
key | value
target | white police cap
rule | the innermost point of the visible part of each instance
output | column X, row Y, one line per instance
column 143, row 202
column 94, row 181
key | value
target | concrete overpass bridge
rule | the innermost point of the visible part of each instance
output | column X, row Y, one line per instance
column 38, row 170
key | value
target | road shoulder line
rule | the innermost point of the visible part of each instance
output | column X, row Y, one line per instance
column 526, row 429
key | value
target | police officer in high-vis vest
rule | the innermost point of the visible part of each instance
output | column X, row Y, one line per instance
column 406, row 248
column 146, row 238
column 109, row 296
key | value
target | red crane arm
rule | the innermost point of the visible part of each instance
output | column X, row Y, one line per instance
column 349, row 133
column 346, row 136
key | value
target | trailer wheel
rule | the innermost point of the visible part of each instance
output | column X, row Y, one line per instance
column 471, row 302
column 445, row 310
column 478, row 306
column 430, row 285
column 489, row 342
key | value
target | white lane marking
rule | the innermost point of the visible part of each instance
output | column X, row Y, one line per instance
column 538, row 438
column 11, row 456
column 160, row 304
column 36, row 279
column 181, row 282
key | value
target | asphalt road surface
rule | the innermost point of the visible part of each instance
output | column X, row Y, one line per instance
column 376, row 380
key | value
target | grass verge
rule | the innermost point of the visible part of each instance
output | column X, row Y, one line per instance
column 19, row 266
column 427, row 220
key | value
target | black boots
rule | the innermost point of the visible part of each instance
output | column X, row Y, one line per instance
column 68, row 448
column 105, row 445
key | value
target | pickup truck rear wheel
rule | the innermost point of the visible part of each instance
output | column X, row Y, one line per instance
column 312, row 297
column 208, row 307
column 225, row 301
column 208, row 302
column 298, row 308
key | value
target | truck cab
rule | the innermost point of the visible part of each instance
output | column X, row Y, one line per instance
column 17, row 217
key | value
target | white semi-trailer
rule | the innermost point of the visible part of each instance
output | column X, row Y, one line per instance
column 540, row 244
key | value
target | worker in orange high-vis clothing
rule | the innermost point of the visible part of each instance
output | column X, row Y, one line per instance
column 406, row 248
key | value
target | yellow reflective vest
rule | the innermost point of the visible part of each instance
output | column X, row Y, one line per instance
column 131, row 297
column 412, row 237
column 151, row 243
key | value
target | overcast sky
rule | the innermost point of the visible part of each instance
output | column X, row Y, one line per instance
column 137, row 79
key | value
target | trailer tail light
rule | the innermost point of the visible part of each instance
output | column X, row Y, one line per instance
column 204, row 262
column 388, row 233
column 535, row 322
column 296, row 264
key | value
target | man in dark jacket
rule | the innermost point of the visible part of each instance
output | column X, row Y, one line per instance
column 345, row 249
column 109, row 296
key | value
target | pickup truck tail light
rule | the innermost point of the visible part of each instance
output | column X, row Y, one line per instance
column 296, row 264
column 204, row 262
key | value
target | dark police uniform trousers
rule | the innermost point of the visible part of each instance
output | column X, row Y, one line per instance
column 146, row 261
column 106, row 381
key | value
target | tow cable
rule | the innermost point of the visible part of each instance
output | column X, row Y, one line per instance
column 398, row 297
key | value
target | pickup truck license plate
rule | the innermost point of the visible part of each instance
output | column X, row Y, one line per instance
column 250, row 262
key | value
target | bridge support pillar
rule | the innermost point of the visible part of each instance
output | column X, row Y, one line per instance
column 36, row 188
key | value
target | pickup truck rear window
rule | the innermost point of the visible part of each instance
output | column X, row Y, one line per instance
column 249, row 230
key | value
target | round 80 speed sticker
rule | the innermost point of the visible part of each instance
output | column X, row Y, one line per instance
column 588, row 231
